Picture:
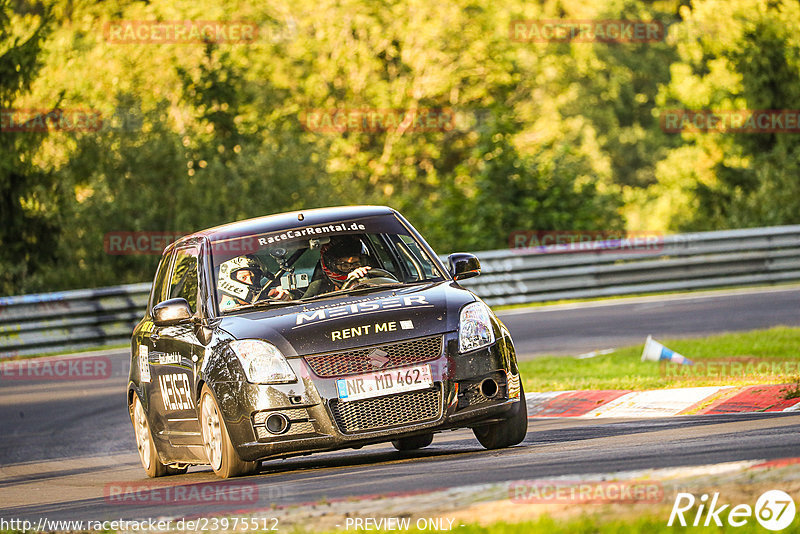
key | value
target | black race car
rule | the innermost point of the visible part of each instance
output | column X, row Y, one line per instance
column 313, row 331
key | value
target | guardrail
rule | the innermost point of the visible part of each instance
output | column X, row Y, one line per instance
column 679, row 262
column 72, row 320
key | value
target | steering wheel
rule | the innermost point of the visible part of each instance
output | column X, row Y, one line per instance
column 372, row 273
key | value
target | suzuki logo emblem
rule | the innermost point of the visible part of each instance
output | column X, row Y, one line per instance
column 378, row 358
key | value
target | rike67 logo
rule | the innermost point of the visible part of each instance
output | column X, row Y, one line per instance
column 774, row 510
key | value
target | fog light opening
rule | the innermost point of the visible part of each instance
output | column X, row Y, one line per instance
column 489, row 388
column 277, row 423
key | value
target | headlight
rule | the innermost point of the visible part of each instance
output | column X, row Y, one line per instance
column 262, row 362
column 475, row 327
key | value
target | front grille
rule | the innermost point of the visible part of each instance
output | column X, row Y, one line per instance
column 295, row 429
column 389, row 411
column 381, row 357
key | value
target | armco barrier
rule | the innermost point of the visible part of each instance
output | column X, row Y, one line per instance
column 685, row 261
column 72, row 320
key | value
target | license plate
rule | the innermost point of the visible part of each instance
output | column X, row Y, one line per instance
column 384, row 383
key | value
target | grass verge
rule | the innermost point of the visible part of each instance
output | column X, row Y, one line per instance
column 764, row 356
column 593, row 524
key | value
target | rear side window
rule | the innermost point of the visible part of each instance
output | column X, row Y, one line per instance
column 183, row 282
column 159, row 283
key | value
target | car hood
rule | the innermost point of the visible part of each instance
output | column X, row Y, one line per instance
column 348, row 321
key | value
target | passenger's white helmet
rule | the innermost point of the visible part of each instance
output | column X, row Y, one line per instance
column 228, row 283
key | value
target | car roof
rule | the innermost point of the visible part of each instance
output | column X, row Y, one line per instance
column 287, row 221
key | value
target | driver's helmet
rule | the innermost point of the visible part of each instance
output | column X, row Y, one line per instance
column 336, row 257
column 229, row 278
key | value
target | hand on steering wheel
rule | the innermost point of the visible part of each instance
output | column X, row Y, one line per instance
column 356, row 277
column 278, row 293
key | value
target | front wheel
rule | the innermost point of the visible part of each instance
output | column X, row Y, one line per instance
column 508, row 432
column 221, row 455
column 145, row 445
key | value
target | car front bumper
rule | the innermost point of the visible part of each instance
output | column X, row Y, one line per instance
column 311, row 417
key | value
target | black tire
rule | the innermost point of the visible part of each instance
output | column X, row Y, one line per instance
column 413, row 443
column 172, row 470
column 220, row 452
column 508, row 432
column 146, row 446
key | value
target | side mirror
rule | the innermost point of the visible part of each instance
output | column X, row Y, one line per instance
column 172, row 311
column 463, row 265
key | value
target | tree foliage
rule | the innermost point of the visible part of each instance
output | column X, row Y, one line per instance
column 29, row 196
column 545, row 136
column 742, row 56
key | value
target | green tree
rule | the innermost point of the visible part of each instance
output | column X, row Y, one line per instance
column 509, row 191
column 28, row 194
column 546, row 137
column 740, row 57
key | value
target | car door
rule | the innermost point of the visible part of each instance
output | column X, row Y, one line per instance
column 147, row 350
column 176, row 353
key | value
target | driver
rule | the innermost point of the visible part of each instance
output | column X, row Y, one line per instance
column 341, row 260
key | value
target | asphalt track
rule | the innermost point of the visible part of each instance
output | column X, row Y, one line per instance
column 584, row 327
column 65, row 444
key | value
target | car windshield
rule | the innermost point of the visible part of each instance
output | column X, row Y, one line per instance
column 302, row 264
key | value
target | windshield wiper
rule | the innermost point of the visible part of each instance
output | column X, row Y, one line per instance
column 368, row 288
column 358, row 290
column 265, row 304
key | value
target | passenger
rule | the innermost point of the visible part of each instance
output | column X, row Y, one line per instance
column 241, row 280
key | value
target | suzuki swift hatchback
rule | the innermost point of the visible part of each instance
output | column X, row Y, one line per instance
column 313, row 331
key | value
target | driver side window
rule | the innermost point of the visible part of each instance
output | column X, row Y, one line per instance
column 183, row 282
column 160, row 282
